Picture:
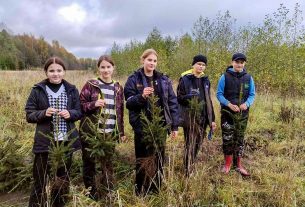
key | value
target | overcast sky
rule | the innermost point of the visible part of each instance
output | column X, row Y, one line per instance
column 88, row 28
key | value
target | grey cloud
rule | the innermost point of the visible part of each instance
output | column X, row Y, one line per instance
column 121, row 21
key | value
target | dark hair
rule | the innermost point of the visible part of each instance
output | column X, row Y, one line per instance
column 106, row 58
column 52, row 60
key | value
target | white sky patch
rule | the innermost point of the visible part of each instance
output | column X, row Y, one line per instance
column 92, row 52
column 73, row 13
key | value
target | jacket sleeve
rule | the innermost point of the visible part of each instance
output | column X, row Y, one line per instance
column 220, row 91
column 134, row 100
column 181, row 93
column 87, row 105
column 75, row 112
column 121, row 111
column 173, row 107
column 251, row 97
column 33, row 113
column 213, row 113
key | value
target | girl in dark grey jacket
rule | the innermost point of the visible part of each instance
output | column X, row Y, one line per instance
column 54, row 106
column 139, row 86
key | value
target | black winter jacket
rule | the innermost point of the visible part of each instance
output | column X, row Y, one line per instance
column 185, row 85
column 136, row 103
column 233, row 83
column 36, row 107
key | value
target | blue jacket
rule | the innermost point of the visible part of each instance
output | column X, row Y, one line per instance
column 222, row 85
column 135, row 102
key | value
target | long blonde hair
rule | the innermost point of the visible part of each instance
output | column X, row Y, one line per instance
column 146, row 53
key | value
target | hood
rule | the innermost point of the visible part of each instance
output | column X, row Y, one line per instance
column 190, row 72
column 231, row 71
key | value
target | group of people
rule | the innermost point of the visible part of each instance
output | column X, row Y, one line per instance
column 101, row 102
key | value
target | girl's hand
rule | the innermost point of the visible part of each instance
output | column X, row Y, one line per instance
column 147, row 91
column 100, row 103
column 65, row 114
column 50, row 111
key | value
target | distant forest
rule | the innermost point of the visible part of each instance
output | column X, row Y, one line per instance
column 20, row 52
column 275, row 50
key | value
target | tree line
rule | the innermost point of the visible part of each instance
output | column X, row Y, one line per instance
column 20, row 52
column 275, row 50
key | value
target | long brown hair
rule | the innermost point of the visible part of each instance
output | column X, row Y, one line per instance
column 52, row 60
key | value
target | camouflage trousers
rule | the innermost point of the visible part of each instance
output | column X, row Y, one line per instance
column 233, row 133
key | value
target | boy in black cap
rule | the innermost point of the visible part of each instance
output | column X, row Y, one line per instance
column 236, row 93
column 193, row 84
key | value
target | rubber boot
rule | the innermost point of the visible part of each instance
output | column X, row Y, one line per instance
column 240, row 168
column 234, row 165
column 228, row 162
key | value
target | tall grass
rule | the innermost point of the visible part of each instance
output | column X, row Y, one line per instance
column 274, row 155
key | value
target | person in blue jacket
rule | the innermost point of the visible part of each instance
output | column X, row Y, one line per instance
column 195, row 85
column 139, row 86
column 236, row 93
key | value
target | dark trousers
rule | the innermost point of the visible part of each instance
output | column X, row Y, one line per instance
column 149, row 166
column 102, row 183
column 89, row 170
column 60, row 186
column 233, row 133
column 193, row 138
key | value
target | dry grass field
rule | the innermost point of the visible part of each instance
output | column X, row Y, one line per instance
column 275, row 151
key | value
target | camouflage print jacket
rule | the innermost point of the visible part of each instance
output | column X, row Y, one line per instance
column 88, row 96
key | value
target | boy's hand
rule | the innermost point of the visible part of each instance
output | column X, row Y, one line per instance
column 243, row 107
column 195, row 92
column 233, row 107
column 192, row 94
column 213, row 127
column 123, row 138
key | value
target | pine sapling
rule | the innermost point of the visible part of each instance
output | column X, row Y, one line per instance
column 101, row 146
column 194, row 113
column 239, row 120
column 154, row 136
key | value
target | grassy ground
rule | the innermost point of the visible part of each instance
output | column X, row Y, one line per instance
column 275, row 149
